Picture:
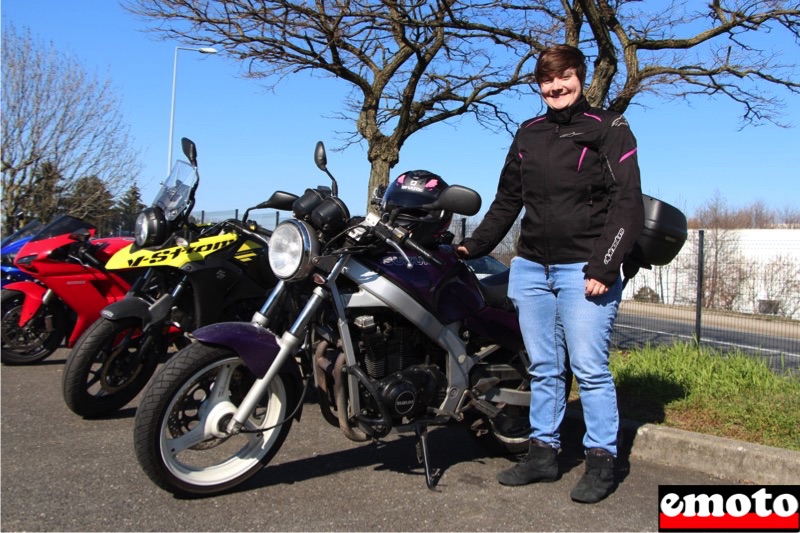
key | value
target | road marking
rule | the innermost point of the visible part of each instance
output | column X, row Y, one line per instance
column 766, row 351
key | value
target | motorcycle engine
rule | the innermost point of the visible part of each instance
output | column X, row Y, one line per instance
column 401, row 362
column 410, row 392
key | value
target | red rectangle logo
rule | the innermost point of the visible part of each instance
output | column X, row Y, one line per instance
column 728, row 508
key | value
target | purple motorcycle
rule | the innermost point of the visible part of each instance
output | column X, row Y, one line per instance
column 379, row 314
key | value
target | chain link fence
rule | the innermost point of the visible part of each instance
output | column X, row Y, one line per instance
column 735, row 290
column 266, row 218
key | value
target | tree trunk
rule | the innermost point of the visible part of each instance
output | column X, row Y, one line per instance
column 383, row 156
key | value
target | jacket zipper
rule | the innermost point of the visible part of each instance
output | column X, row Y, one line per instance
column 547, row 199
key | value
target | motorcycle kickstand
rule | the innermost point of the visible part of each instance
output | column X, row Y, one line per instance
column 423, row 456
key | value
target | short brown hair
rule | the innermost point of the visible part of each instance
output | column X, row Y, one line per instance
column 556, row 59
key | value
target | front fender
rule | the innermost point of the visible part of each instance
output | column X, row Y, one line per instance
column 127, row 308
column 258, row 347
column 34, row 294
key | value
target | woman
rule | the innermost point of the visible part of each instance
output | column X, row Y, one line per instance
column 574, row 170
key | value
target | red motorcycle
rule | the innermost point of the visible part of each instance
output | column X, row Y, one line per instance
column 70, row 288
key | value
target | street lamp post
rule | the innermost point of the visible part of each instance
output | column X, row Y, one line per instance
column 172, row 109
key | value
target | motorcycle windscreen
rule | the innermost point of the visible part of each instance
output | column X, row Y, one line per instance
column 62, row 225
column 175, row 192
column 24, row 233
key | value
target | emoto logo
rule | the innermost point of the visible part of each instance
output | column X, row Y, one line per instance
column 728, row 508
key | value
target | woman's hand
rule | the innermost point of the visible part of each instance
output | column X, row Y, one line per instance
column 595, row 288
column 462, row 251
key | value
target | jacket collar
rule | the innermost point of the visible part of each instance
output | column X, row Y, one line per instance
column 564, row 116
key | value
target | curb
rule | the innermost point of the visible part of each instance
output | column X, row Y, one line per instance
column 732, row 459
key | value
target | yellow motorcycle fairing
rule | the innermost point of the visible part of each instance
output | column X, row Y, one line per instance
column 178, row 256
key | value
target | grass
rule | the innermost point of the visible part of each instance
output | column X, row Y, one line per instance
column 703, row 390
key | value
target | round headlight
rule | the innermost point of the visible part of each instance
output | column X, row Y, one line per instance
column 291, row 247
column 150, row 228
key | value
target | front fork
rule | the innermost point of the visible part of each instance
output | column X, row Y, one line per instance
column 160, row 309
column 290, row 342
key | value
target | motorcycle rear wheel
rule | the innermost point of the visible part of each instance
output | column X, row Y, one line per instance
column 109, row 365
column 508, row 436
column 175, row 408
column 40, row 337
column 509, row 432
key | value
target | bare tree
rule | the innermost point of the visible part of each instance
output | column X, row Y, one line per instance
column 756, row 215
column 415, row 63
column 127, row 209
column 790, row 217
column 715, row 213
column 59, row 124
column 780, row 279
column 408, row 67
column 724, row 275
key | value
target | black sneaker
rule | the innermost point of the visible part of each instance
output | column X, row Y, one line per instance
column 539, row 465
column 598, row 480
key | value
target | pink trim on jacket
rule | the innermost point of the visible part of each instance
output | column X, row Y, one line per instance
column 583, row 154
column 626, row 156
column 535, row 121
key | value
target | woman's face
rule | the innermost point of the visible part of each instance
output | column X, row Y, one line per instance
column 560, row 92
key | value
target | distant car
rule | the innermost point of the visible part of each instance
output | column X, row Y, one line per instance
column 486, row 266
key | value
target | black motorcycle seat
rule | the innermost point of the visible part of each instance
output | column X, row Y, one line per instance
column 494, row 289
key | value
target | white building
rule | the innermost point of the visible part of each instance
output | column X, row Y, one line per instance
column 751, row 271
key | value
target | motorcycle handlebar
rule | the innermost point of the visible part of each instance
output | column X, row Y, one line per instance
column 411, row 243
column 87, row 255
column 260, row 234
column 402, row 238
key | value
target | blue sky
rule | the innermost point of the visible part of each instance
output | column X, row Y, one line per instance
column 252, row 141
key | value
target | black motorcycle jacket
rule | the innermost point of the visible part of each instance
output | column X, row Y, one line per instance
column 575, row 172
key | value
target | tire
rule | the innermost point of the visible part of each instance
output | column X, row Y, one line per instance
column 38, row 339
column 503, row 435
column 109, row 365
column 178, row 403
column 509, row 432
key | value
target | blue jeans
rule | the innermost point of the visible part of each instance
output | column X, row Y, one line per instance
column 556, row 319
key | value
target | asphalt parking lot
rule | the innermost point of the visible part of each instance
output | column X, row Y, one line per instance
column 63, row 473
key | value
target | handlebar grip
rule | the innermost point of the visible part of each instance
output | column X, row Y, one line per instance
column 259, row 233
column 424, row 253
column 261, row 236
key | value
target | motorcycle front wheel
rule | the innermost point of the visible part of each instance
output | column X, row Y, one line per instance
column 109, row 365
column 39, row 338
column 179, row 433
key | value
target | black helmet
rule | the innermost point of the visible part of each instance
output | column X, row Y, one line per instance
column 410, row 191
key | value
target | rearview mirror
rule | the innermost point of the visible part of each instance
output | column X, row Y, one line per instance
column 282, row 201
column 189, row 150
column 457, row 199
column 320, row 158
column 80, row 235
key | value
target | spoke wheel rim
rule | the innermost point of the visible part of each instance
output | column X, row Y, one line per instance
column 229, row 457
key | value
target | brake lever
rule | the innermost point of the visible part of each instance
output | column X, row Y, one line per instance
column 385, row 233
column 397, row 236
column 400, row 250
